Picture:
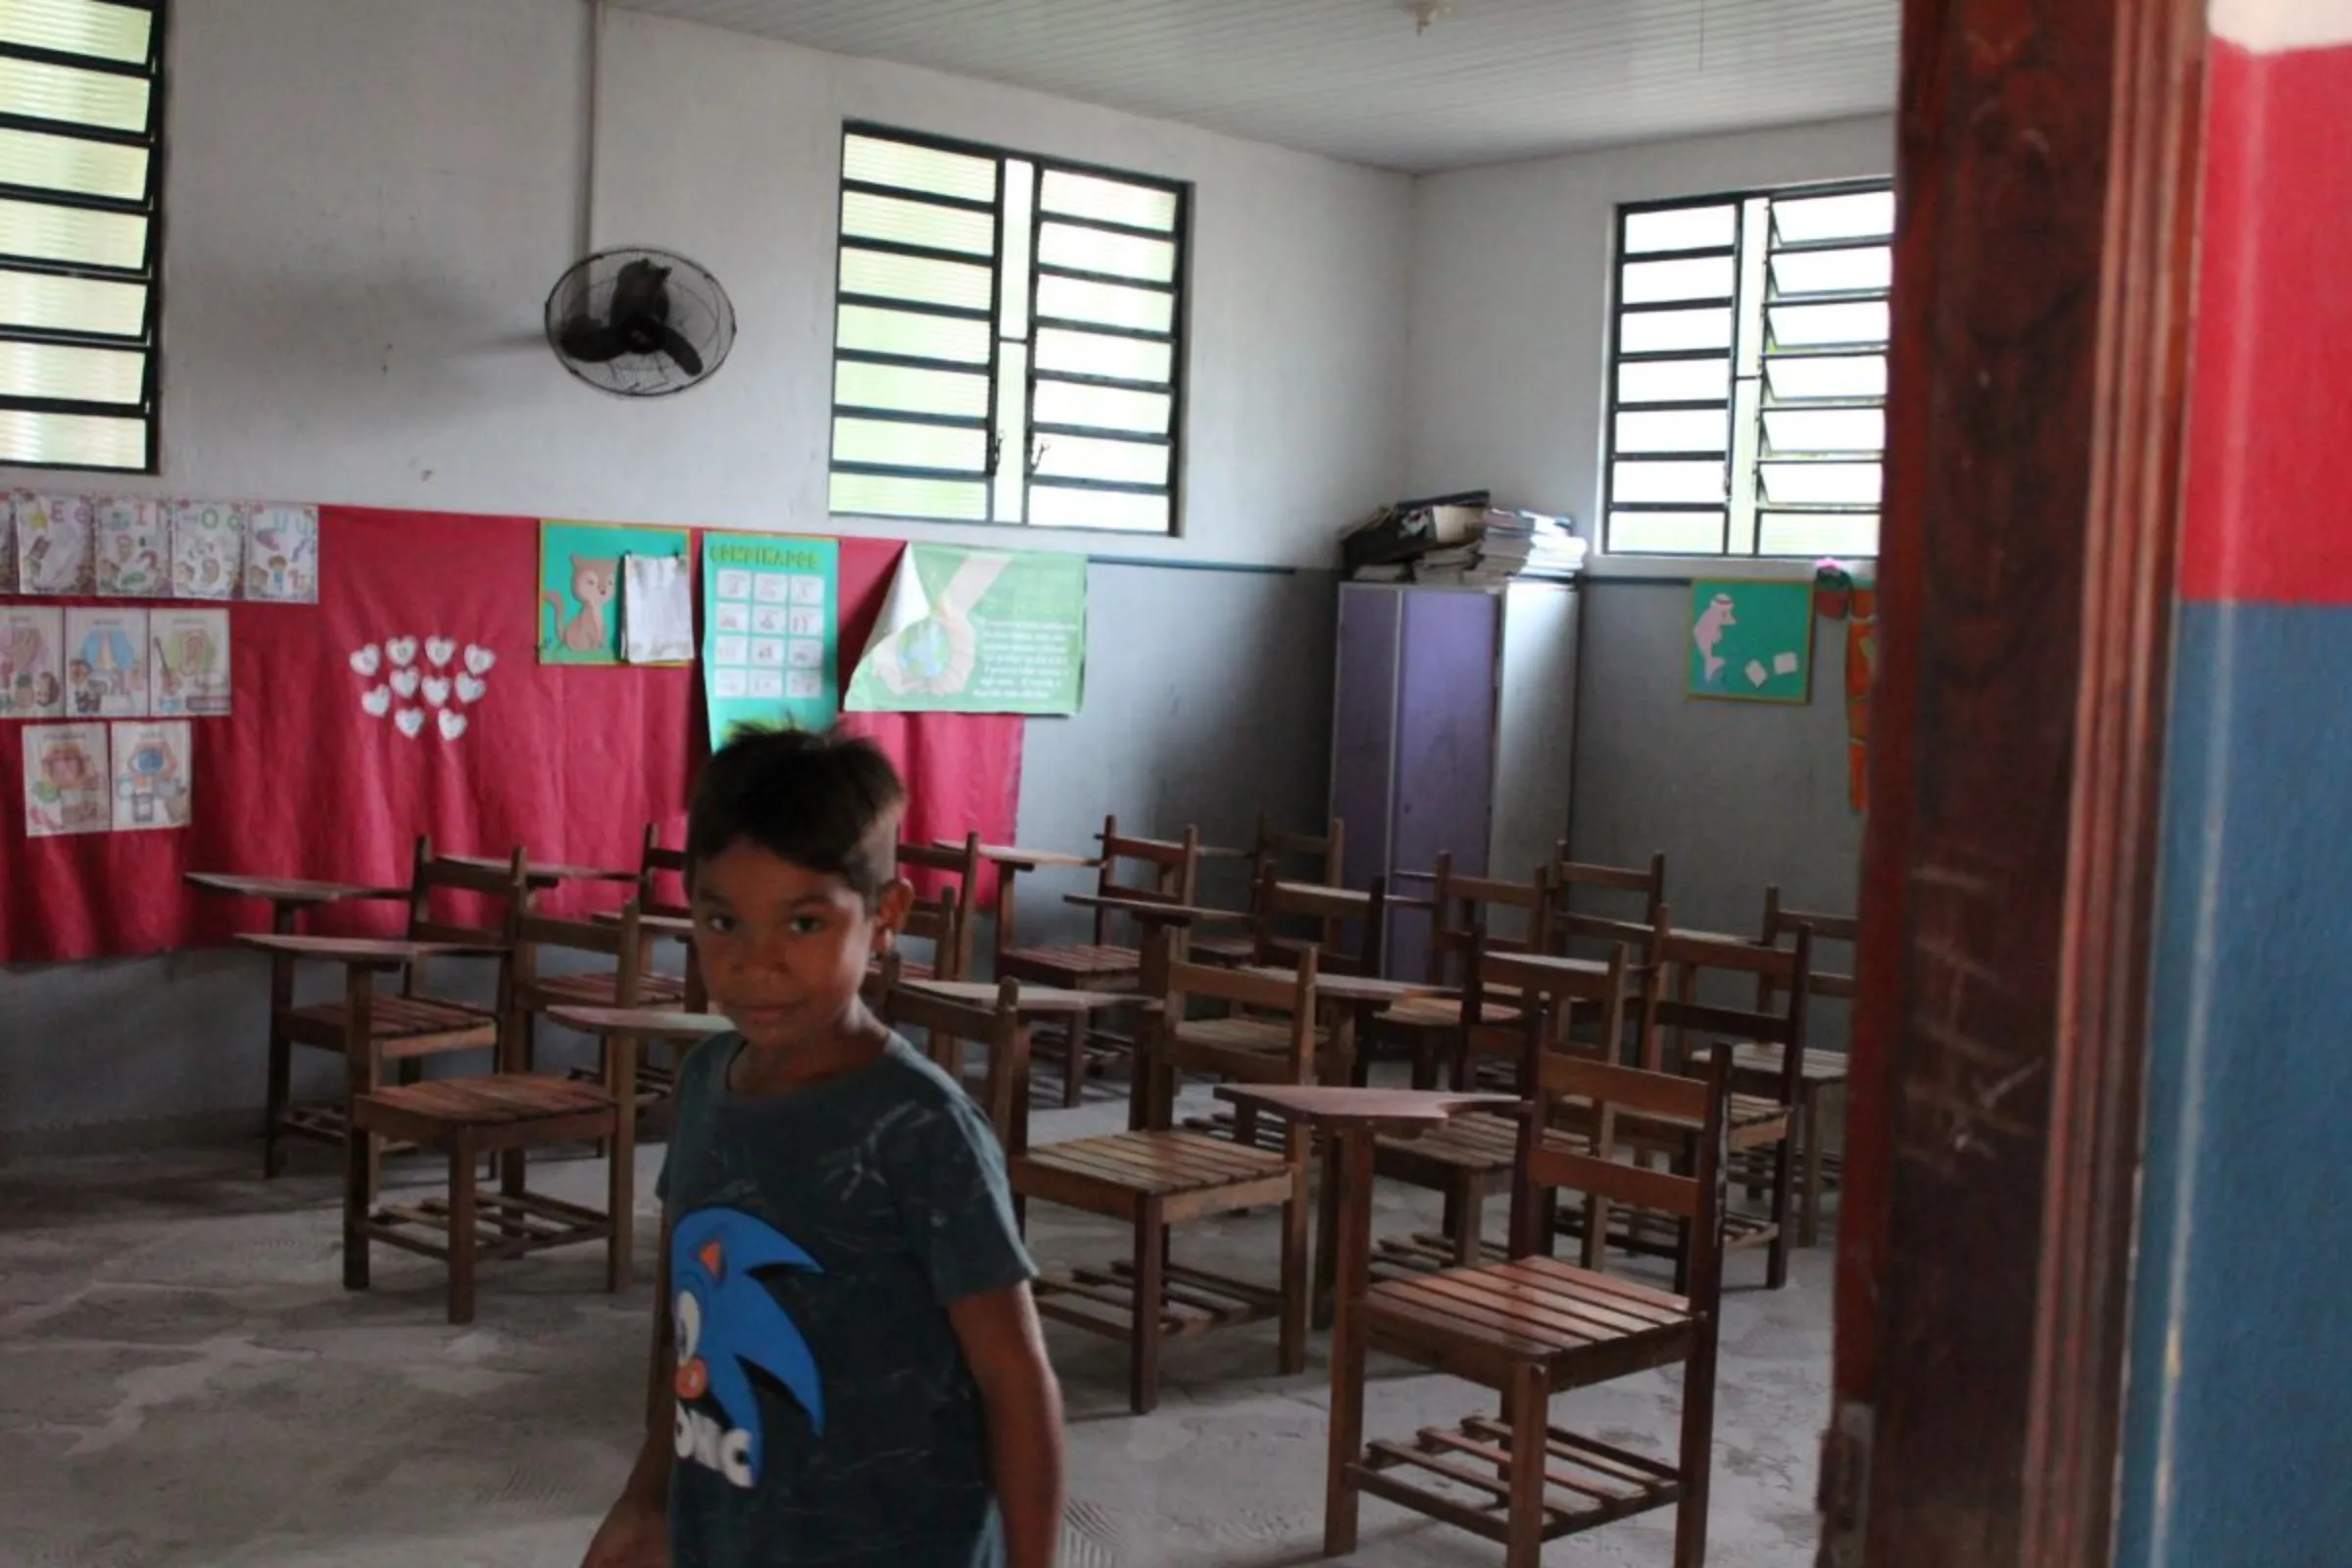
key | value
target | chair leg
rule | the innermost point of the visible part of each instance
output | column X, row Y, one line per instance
column 1783, row 1209
column 1468, row 1205
column 1342, row 1500
column 1073, row 1082
column 280, row 1095
column 462, row 1227
column 1809, row 1225
column 1530, row 1414
column 1697, row 1459
column 357, row 1203
column 1297, row 1272
column 1143, row 1345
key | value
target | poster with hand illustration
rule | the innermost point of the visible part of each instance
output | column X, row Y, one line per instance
column 579, row 602
column 106, row 662
column 977, row 631
column 32, row 677
column 281, row 554
column 135, row 547
column 187, row 662
column 151, row 772
column 53, row 544
column 65, row 780
column 208, row 549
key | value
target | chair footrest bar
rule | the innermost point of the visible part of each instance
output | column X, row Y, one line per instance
column 1456, row 1474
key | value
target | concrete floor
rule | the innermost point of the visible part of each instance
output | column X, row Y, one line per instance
column 184, row 1381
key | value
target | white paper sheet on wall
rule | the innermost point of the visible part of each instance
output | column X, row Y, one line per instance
column 656, row 610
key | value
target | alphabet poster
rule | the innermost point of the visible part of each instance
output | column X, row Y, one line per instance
column 135, row 547
column 65, row 780
column 32, row 680
column 580, row 603
column 106, row 662
column 53, row 544
column 281, row 554
column 770, row 645
column 187, row 664
column 151, row 789
column 208, row 549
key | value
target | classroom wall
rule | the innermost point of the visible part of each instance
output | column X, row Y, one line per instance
column 2237, row 1395
column 1510, row 291
column 369, row 199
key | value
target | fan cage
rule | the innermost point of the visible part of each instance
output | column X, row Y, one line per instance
column 699, row 308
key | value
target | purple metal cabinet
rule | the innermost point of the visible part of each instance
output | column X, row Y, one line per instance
column 1413, row 750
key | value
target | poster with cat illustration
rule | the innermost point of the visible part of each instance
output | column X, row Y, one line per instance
column 151, row 787
column 579, row 604
column 66, row 780
column 106, row 662
column 187, row 662
column 33, row 677
column 135, row 547
column 53, row 544
column 281, row 554
column 208, row 549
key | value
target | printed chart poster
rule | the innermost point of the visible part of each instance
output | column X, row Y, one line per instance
column 32, row 672
column 281, row 554
column 770, row 650
column 187, row 665
column 208, row 549
column 106, row 662
column 151, row 776
column 1752, row 641
column 135, row 547
column 973, row 631
column 65, row 780
column 580, row 565
column 53, row 544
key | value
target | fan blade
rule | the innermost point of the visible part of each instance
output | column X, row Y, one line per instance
column 640, row 291
column 591, row 341
column 674, row 344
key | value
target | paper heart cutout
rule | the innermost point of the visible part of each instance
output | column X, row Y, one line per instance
column 405, row 682
column 378, row 700
column 436, row 690
column 478, row 660
column 469, row 690
column 401, row 650
column 439, row 651
column 409, row 720
column 453, row 724
column 369, row 659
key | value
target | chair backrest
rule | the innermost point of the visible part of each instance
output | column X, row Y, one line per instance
column 1598, row 1095
column 622, row 940
column 1316, row 857
column 949, row 1021
column 1171, row 871
column 1671, row 1005
column 944, row 919
column 1175, row 983
column 508, row 886
column 1782, row 922
column 1572, row 925
column 654, row 862
column 1545, row 993
column 1332, row 910
column 1464, row 910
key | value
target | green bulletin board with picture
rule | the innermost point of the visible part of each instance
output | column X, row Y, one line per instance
column 581, row 568
column 1752, row 642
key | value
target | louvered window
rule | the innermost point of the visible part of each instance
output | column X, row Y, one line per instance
column 80, row 177
column 1747, row 380
column 1009, row 340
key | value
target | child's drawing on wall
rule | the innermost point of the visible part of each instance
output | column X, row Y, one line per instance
column 65, row 780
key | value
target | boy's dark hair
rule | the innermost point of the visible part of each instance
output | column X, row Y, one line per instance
column 829, row 802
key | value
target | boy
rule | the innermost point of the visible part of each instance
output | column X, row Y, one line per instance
column 847, row 1365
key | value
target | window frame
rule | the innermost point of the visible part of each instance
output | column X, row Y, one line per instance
column 1736, row 452
column 150, row 273
column 1178, row 337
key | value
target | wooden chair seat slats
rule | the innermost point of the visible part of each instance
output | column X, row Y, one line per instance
column 1157, row 1164
column 491, row 1099
column 1085, row 959
column 1442, row 1012
column 390, row 1018
column 1271, row 1035
column 1765, row 1060
column 1535, row 1310
column 604, row 990
column 1476, row 1141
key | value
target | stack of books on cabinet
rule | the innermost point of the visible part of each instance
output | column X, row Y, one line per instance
column 1462, row 542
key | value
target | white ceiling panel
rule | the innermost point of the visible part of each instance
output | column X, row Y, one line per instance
column 1487, row 82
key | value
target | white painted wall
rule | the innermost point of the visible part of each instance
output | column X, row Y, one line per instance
column 369, row 200
column 1510, row 298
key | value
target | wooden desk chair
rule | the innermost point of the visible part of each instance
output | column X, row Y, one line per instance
column 944, row 919
column 948, row 1023
column 1531, row 1327
column 1314, row 860
column 505, row 1113
column 368, row 1028
column 1762, row 1125
column 1574, row 923
column 1156, row 1178
column 1475, row 1156
column 1169, row 873
column 1757, row 1067
column 630, row 982
column 1461, row 907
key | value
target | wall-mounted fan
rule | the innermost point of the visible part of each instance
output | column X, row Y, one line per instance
column 640, row 324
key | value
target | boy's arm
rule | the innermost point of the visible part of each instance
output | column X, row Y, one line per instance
column 635, row 1534
column 1006, row 1352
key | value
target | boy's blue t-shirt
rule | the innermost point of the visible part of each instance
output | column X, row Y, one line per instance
column 825, row 1412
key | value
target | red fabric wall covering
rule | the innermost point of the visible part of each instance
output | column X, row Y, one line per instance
column 299, row 780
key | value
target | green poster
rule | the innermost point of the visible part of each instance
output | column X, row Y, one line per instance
column 977, row 631
column 580, row 571
column 1753, row 641
column 770, row 643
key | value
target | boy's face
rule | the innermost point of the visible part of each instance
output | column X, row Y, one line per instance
column 784, row 949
